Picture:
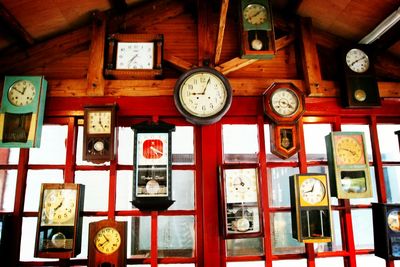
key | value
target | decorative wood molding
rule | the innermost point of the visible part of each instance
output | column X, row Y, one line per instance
column 221, row 30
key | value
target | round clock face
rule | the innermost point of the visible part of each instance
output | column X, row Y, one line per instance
column 394, row 220
column 255, row 14
column 99, row 122
column 284, row 102
column 241, row 185
column 312, row 190
column 203, row 95
column 107, row 240
column 59, row 205
column 349, row 150
column 357, row 60
column 21, row 93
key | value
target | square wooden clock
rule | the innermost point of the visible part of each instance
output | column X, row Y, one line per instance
column 22, row 111
column 134, row 56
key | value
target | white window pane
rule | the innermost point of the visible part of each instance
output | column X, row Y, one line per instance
column 240, row 143
column 392, row 182
column 362, row 228
column 244, row 247
column 7, row 189
column 323, row 262
column 124, row 190
column 96, row 189
column 9, row 155
column 140, row 237
column 182, row 190
column 279, row 177
column 183, row 145
column 388, row 142
column 52, row 146
column 125, row 146
column 290, row 263
column 282, row 239
column 246, row 263
column 267, row 140
column 370, row 261
column 314, row 138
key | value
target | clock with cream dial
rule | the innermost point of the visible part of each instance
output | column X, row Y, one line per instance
column 394, row 220
column 21, row 93
column 349, row 149
column 59, row 206
column 107, row 240
column 357, row 60
column 312, row 190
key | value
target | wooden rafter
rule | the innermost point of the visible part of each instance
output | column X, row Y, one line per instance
column 204, row 33
column 221, row 30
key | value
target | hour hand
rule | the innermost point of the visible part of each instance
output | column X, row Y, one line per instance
column 155, row 150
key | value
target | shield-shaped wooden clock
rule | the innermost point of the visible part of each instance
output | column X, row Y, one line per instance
column 22, row 111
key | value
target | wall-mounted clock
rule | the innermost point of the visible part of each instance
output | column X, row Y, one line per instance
column 59, row 225
column 99, row 133
column 257, row 29
column 203, row 95
column 348, row 165
column 310, row 206
column 360, row 87
column 22, row 111
column 152, row 166
column 134, row 56
column 107, row 243
column 386, row 221
column 284, row 140
column 241, row 203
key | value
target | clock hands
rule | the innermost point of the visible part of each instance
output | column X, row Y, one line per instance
column 204, row 89
column 131, row 60
column 355, row 61
column 107, row 240
column 155, row 150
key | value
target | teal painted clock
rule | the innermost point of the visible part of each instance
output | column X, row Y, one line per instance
column 22, row 111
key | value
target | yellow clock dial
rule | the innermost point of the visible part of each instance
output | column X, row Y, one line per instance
column 99, row 122
column 349, row 150
column 312, row 190
column 255, row 14
column 59, row 206
column 107, row 240
column 394, row 220
column 21, row 93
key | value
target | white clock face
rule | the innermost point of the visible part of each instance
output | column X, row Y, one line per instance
column 312, row 190
column 59, row 206
column 241, row 185
column 135, row 55
column 21, row 93
column 255, row 14
column 284, row 102
column 99, row 122
column 357, row 60
column 203, row 94
column 394, row 220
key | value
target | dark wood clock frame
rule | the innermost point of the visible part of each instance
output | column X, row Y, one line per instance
column 110, row 67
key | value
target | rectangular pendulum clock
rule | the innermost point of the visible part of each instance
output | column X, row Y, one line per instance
column 22, row 111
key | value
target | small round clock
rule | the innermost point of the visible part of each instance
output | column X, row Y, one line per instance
column 349, row 150
column 203, row 95
column 393, row 220
column 312, row 190
column 255, row 14
column 107, row 240
column 357, row 60
column 21, row 93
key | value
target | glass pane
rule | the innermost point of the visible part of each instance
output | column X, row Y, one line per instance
column 96, row 189
column 79, row 153
column 246, row 263
column 392, row 182
column 34, row 181
column 244, row 247
column 389, row 142
column 290, row 263
column 367, row 137
column 52, row 146
column 374, row 198
column 279, row 179
column 8, row 182
column 370, row 261
column 124, row 190
column 336, row 244
column 282, row 240
column 270, row 156
column 125, row 146
column 140, row 237
column 175, row 236
column 314, row 139
column 183, row 145
column 182, row 190
column 362, row 228
column 240, row 143
column 9, row 155
column 335, row 261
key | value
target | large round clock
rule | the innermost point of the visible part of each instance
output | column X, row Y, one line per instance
column 203, row 95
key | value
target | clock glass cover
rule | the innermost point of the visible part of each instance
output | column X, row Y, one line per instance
column 357, row 60
column 349, row 149
column 21, row 93
column 59, row 206
column 255, row 14
column 312, row 190
column 394, row 220
column 99, row 122
column 107, row 240
column 135, row 55
column 284, row 102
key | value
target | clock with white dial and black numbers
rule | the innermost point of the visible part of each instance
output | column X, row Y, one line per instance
column 135, row 55
column 203, row 95
column 99, row 133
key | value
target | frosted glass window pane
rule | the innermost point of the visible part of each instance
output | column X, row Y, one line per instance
column 267, row 140
column 125, row 146
column 392, row 182
column 79, row 153
column 9, row 155
column 314, row 138
column 279, row 177
column 374, row 198
column 182, row 190
column 140, row 237
column 52, row 146
column 246, row 263
column 8, row 192
column 290, row 263
column 244, row 247
column 389, row 142
column 335, row 261
column 282, row 240
column 34, row 181
column 124, row 190
column 370, row 261
column 183, row 145
column 367, row 136
column 96, row 189
column 240, row 143
column 362, row 228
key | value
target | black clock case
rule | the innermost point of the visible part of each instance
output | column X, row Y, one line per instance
column 382, row 233
column 351, row 81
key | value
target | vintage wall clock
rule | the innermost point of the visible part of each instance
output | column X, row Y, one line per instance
column 284, row 140
column 257, row 29
column 241, row 203
column 310, row 206
column 107, row 243
column 22, row 111
column 348, row 165
column 99, row 133
column 59, row 225
column 152, row 166
column 386, row 222
column 360, row 87
column 202, row 95
column 134, row 56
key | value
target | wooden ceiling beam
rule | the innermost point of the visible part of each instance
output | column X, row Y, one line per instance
column 14, row 27
column 221, row 30
column 389, row 38
column 204, row 33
